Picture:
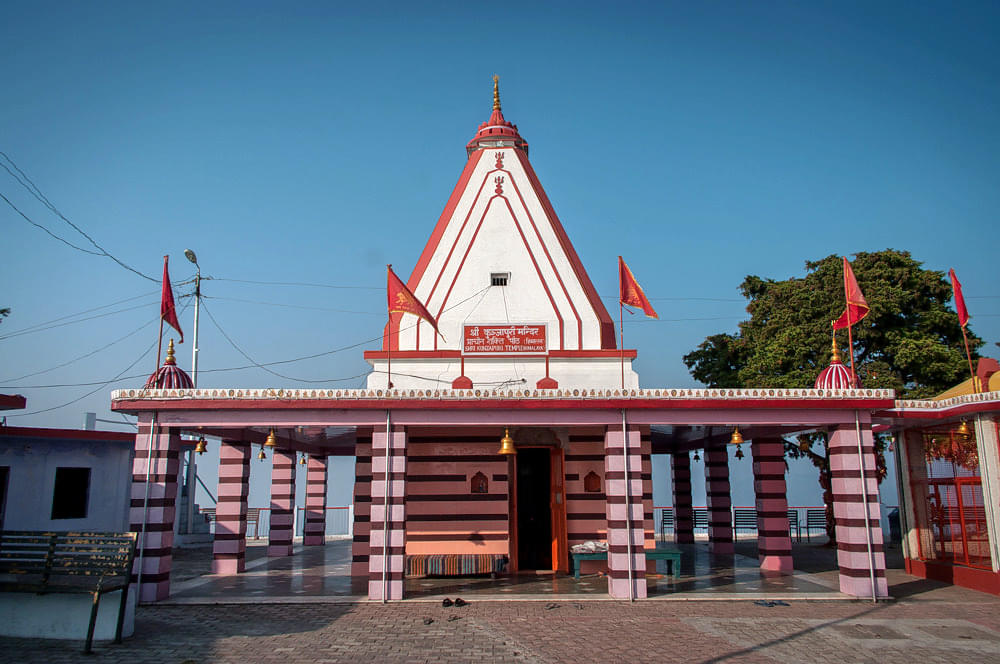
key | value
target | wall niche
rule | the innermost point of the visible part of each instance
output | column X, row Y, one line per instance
column 592, row 483
column 479, row 483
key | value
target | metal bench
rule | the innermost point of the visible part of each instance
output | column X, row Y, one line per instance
column 745, row 519
column 666, row 521
column 253, row 519
column 815, row 519
column 793, row 524
column 672, row 556
column 54, row 562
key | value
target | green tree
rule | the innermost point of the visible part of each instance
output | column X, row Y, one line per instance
column 909, row 342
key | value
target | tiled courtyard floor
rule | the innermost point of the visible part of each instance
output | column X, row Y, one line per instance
column 926, row 622
column 950, row 625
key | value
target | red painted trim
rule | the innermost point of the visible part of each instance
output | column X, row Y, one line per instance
column 12, row 402
column 983, row 580
column 404, row 403
column 451, row 251
column 435, row 238
column 68, row 434
column 607, row 325
column 940, row 414
column 472, row 242
column 455, row 354
column 545, row 248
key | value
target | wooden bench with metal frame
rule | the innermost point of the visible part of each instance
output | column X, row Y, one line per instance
column 66, row 562
column 672, row 556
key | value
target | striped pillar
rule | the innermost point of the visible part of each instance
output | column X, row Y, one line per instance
column 720, row 504
column 649, row 527
column 624, row 525
column 153, row 505
column 774, row 537
column 680, row 468
column 314, row 528
column 388, row 521
column 279, row 538
column 229, row 548
column 849, row 512
column 362, row 504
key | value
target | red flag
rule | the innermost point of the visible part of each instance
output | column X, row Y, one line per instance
column 630, row 292
column 857, row 307
column 167, row 310
column 402, row 301
column 963, row 313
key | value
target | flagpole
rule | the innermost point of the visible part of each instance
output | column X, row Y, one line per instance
column 621, row 334
column 968, row 355
column 159, row 347
column 850, row 335
column 388, row 351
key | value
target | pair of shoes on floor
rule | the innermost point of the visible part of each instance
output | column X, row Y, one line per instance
column 458, row 602
column 769, row 603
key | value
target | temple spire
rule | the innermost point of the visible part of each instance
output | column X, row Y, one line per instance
column 835, row 356
column 496, row 92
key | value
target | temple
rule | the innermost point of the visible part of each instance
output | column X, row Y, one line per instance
column 520, row 430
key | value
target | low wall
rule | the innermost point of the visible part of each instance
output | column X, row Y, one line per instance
column 63, row 616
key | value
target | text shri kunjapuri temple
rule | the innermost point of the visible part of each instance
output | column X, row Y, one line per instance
column 527, row 355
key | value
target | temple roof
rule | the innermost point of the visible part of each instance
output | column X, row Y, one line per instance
column 496, row 132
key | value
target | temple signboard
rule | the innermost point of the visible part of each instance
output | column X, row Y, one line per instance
column 510, row 338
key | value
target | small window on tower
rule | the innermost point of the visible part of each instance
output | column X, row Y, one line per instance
column 499, row 278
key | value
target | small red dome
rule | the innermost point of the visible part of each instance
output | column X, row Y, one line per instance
column 836, row 377
column 169, row 376
column 496, row 132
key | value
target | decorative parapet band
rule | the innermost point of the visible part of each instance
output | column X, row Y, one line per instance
column 489, row 394
column 927, row 404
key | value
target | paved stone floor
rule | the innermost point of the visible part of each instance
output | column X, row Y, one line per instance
column 932, row 625
column 925, row 622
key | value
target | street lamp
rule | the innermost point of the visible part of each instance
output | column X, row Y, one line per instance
column 190, row 255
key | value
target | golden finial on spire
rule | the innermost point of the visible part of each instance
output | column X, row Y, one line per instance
column 496, row 92
column 836, row 354
column 170, row 353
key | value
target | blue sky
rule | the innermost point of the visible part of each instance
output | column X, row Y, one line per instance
column 316, row 142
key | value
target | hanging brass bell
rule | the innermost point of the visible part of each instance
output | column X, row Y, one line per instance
column 261, row 455
column 272, row 440
column 507, row 444
column 739, row 452
column 963, row 430
column 302, row 460
column 697, row 457
column 737, row 437
column 200, row 448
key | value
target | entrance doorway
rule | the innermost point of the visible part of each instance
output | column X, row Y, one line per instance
column 534, row 512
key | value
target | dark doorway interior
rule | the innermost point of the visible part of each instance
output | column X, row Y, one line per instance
column 534, row 514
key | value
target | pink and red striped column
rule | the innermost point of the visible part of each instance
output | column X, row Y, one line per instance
column 152, row 506
column 362, row 504
column 625, row 522
column 387, row 538
column 229, row 547
column 314, row 528
column 849, row 513
column 720, row 515
column 279, row 538
column 680, row 471
column 774, row 537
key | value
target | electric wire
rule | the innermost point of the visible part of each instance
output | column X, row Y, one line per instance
column 38, row 225
column 73, row 322
column 96, row 389
column 293, row 283
column 37, row 193
column 291, row 306
column 85, row 311
column 82, row 357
